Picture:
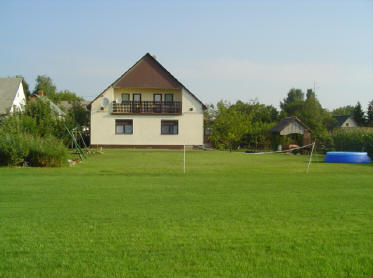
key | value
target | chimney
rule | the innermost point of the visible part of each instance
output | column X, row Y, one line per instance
column 155, row 57
column 40, row 93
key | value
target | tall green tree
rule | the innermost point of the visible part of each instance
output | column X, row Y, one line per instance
column 310, row 94
column 314, row 116
column 370, row 114
column 308, row 110
column 293, row 103
column 344, row 110
column 359, row 115
column 45, row 83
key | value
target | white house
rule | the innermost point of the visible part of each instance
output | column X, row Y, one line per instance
column 345, row 121
column 12, row 95
column 146, row 107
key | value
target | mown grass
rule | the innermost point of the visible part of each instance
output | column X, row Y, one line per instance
column 134, row 213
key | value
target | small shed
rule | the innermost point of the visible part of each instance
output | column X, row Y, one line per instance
column 292, row 125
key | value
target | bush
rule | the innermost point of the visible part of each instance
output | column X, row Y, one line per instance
column 14, row 148
column 47, row 151
column 18, row 148
column 357, row 139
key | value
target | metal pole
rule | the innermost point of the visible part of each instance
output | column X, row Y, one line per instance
column 309, row 162
column 184, row 159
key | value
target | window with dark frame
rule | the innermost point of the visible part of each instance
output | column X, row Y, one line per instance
column 125, row 97
column 137, row 97
column 123, row 126
column 169, row 127
column 169, row 97
column 157, row 97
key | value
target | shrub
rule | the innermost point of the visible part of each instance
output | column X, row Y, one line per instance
column 47, row 151
column 17, row 148
column 13, row 148
column 357, row 139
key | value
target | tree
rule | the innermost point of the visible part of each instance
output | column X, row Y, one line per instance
column 293, row 103
column 44, row 83
column 308, row 110
column 229, row 126
column 359, row 115
column 314, row 116
column 344, row 110
column 370, row 114
column 65, row 95
column 310, row 94
column 78, row 116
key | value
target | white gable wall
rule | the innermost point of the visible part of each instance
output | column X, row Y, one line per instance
column 350, row 122
column 19, row 101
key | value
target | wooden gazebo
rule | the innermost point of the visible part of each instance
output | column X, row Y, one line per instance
column 292, row 125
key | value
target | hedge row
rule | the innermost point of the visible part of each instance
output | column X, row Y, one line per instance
column 20, row 149
column 357, row 140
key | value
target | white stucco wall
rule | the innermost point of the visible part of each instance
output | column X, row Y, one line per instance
column 350, row 122
column 19, row 101
column 147, row 128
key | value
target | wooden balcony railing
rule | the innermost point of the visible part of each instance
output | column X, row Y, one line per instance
column 147, row 107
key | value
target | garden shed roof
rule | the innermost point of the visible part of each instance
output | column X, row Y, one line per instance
column 289, row 125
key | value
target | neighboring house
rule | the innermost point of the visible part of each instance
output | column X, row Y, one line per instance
column 345, row 121
column 52, row 105
column 146, row 107
column 12, row 95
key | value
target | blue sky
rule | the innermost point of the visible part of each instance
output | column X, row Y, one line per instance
column 218, row 49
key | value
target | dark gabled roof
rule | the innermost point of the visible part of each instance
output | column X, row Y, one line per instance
column 285, row 122
column 8, row 90
column 148, row 73
column 341, row 119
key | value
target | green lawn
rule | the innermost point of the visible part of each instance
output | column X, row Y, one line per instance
column 130, row 213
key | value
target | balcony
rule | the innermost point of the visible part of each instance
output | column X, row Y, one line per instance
column 147, row 107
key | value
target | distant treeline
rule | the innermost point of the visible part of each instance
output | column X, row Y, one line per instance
column 247, row 124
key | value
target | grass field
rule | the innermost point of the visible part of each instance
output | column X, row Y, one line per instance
column 130, row 213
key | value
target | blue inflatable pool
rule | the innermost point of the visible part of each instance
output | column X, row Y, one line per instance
column 347, row 157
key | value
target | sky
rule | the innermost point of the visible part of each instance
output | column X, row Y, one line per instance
column 220, row 50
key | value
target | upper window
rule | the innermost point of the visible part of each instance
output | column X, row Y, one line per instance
column 137, row 97
column 169, row 127
column 169, row 97
column 157, row 97
column 125, row 97
column 123, row 126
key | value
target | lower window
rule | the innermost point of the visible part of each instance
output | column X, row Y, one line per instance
column 169, row 127
column 123, row 126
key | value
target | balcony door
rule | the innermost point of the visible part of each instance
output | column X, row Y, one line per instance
column 157, row 103
column 137, row 102
column 169, row 103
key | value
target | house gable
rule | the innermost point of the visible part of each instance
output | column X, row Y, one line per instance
column 148, row 73
column 345, row 121
column 11, row 93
